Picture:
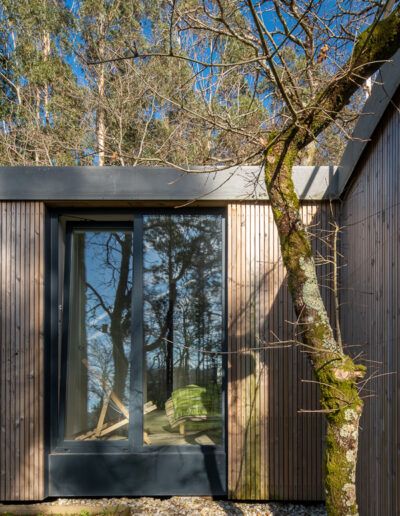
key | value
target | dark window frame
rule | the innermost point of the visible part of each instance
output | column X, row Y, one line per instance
column 56, row 381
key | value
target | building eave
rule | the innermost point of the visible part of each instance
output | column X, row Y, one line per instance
column 156, row 184
column 385, row 87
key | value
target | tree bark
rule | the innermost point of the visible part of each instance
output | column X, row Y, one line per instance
column 101, row 113
column 101, row 117
column 335, row 372
column 46, row 54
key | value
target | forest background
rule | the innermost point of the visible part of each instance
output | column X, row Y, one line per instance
column 56, row 109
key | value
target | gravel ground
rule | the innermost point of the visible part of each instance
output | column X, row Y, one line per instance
column 181, row 505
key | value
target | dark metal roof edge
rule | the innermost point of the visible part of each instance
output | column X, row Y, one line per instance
column 388, row 81
column 155, row 184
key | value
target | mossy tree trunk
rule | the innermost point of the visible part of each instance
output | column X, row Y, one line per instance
column 336, row 372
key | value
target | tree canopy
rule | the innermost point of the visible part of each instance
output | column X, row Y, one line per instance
column 239, row 71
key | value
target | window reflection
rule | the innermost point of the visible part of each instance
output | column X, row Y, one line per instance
column 97, row 400
column 183, row 328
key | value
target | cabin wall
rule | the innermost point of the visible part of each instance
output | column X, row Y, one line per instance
column 274, row 451
column 21, row 351
column 371, row 310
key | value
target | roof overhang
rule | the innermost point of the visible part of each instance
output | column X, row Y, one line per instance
column 156, row 184
column 385, row 87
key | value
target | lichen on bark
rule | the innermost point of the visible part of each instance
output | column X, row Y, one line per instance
column 312, row 298
column 335, row 372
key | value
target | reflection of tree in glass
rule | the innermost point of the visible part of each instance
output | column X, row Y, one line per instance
column 108, row 302
column 182, row 267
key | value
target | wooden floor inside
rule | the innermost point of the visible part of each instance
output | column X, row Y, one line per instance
column 196, row 432
column 160, row 432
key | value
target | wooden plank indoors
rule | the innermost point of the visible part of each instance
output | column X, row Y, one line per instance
column 370, row 317
column 274, row 452
column 21, row 354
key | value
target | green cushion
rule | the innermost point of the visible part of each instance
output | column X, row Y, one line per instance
column 192, row 403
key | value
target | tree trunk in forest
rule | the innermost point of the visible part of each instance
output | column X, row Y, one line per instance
column 335, row 372
column 169, row 362
column 119, row 358
column 46, row 54
column 36, row 151
column 101, row 113
column 117, row 333
column 101, row 117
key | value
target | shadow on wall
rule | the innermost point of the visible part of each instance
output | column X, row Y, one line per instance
column 275, row 452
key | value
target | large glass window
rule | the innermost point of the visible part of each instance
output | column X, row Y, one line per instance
column 97, row 398
column 183, row 328
column 165, row 272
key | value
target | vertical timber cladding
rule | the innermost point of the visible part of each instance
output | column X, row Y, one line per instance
column 371, row 318
column 21, row 358
column 274, row 451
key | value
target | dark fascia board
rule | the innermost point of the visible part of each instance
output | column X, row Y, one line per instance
column 155, row 184
column 385, row 87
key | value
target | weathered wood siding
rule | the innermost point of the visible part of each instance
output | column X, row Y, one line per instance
column 274, row 452
column 371, row 311
column 21, row 358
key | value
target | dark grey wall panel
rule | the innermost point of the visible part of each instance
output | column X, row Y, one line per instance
column 146, row 474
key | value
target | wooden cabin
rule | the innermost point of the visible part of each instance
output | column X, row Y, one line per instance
column 147, row 331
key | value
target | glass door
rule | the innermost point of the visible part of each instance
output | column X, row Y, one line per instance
column 183, row 330
column 140, row 376
column 98, row 352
